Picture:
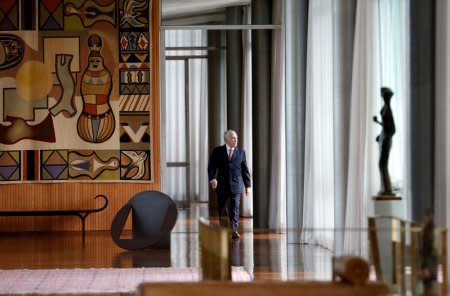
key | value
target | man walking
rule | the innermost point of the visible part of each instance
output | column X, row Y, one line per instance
column 228, row 175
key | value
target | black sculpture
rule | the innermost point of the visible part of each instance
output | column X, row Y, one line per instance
column 384, row 140
column 154, row 215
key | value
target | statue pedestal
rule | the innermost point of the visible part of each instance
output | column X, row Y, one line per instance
column 389, row 205
column 388, row 232
column 386, row 197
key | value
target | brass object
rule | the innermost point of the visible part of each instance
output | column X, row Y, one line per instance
column 394, row 263
column 413, row 257
column 351, row 269
column 402, row 255
column 214, row 242
column 374, row 248
column 401, row 282
column 444, row 262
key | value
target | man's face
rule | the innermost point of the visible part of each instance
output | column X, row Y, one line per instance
column 232, row 139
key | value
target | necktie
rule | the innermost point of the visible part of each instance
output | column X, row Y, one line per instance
column 230, row 156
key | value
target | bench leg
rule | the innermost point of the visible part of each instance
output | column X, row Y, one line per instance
column 83, row 225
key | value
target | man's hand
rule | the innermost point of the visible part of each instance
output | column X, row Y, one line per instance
column 248, row 190
column 213, row 183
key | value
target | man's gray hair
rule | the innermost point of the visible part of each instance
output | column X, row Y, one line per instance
column 227, row 132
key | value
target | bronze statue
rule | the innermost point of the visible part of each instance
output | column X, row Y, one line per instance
column 384, row 140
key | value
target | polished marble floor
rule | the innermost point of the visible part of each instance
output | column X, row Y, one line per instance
column 265, row 255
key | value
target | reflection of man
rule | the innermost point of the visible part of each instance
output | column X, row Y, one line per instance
column 228, row 174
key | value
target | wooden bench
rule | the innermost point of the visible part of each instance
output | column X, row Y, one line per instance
column 80, row 213
column 227, row 288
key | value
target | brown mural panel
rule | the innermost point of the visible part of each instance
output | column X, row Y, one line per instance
column 75, row 77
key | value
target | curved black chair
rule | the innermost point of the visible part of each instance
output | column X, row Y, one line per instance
column 153, row 214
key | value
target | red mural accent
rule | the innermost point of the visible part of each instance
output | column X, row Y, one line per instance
column 20, row 130
column 6, row 5
column 51, row 5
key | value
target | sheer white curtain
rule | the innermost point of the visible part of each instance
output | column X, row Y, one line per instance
column 379, row 60
column 177, row 79
column 174, row 147
column 318, row 207
column 277, row 214
column 362, row 177
column 442, row 206
column 198, row 141
column 394, row 59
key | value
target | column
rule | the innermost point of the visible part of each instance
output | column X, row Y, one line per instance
column 422, row 69
column 261, row 91
column 216, row 100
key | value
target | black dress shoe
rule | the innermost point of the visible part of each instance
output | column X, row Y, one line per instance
column 235, row 234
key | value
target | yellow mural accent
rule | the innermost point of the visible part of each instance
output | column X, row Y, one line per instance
column 33, row 80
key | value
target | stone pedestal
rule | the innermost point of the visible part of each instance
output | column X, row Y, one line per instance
column 389, row 205
column 388, row 232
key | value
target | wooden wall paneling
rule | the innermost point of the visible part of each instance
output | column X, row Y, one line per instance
column 65, row 196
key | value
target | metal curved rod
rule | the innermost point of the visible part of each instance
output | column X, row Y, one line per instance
column 103, row 207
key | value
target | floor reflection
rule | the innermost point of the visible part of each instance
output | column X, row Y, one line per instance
column 264, row 255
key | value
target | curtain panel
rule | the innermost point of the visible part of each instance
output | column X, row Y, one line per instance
column 442, row 161
column 341, row 155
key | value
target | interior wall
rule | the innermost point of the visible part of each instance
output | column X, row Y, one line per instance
column 32, row 196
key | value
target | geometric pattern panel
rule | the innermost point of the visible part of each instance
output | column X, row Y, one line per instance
column 134, row 130
column 10, row 165
column 94, row 165
column 75, row 91
column 9, row 15
column 134, row 103
column 134, row 165
column 51, row 14
column 134, row 14
column 89, row 13
column 134, row 47
column 54, row 165
column 134, row 89
column 12, row 49
column 135, row 76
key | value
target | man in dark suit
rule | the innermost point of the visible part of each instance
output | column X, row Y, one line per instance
column 228, row 174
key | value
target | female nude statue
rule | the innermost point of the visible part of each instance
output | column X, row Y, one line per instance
column 385, row 140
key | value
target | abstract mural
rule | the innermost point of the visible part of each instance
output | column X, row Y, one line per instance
column 75, row 91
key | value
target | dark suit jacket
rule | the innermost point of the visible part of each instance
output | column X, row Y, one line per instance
column 232, row 175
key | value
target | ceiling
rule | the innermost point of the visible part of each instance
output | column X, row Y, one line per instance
column 176, row 9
